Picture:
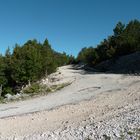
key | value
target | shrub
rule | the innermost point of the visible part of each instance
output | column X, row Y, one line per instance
column 34, row 88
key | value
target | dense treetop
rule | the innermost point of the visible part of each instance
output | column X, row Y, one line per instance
column 125, row 40
column 29, row 62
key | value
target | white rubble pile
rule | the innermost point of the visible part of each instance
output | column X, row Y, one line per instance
column 9, row 97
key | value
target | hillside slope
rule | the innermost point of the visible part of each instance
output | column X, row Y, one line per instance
column 124, row 64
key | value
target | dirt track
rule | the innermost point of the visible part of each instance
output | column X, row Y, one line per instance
column 98, row 95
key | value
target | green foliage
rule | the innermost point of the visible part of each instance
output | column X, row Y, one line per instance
column 7, row 90
column 3, row 79
column 125, row 40
column 88, row 56
column 1, row 99
column 34, row 88
column 118, row 29
column 71, row 60
column 59, row 87
column 29, row 62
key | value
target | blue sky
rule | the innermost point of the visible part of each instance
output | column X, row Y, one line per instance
column 69, row 25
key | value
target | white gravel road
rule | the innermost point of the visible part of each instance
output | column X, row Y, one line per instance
column 85, row 86
column 98, row 94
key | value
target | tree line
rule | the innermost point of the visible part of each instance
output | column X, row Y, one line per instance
column 33, row 60
column 28, row 63
column 125, row 40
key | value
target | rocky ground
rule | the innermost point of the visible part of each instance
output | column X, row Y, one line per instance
column 125, row 125
column 95, row 106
